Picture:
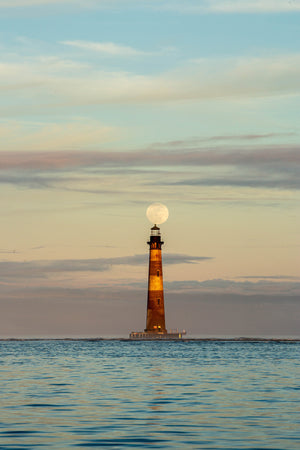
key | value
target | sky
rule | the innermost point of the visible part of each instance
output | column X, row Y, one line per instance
column 108, row 106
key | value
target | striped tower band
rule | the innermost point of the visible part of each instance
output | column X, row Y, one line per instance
column 155, row 303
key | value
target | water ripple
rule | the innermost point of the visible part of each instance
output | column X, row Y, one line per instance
column 170, row 395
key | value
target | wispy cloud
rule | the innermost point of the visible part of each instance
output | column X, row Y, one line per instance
column 269, row 277
column 42, row 269
column 271, row 167
column 196, row 141
column 252, row 6
column 107, row 48
column 24, row 3
column 195, row 81
column 188, row 6
column 284, row 182
column 72, row 135
column 231, row 6
column 260, row 287
column 267, row 155
column 49, row 272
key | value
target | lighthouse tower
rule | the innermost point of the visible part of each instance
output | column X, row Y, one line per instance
column 157, row 213
column 155, row 304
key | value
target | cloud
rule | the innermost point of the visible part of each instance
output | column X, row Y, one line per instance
column 270, row 277
column 197, row 141
column 30, row 181
column 35, row 271
column 24, row 3
column 231, row 6
column 42, row 269
column 253, row 6
column 72, row 135
column 221, row 286
column 45, row 85
column 286, row 155
column 108, row 48
column 285, row 182
column 102, row 310
column 187, row 7
column 28, row 312
column 264, row 166
column 88, row 4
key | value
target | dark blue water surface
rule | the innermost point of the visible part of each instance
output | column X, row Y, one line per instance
column 149, row 395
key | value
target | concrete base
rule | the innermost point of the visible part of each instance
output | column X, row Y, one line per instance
column 144, row 335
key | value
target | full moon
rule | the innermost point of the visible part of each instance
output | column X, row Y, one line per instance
column 157, row 213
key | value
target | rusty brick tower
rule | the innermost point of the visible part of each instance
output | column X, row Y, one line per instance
column 157, row 213
column 155, row 303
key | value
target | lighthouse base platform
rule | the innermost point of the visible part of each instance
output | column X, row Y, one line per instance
column 156, row 336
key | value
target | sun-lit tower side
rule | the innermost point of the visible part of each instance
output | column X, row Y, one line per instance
column 155, row 303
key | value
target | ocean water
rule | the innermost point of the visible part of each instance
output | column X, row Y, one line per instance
column 149, row 395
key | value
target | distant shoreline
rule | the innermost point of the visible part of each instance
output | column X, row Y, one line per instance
column 186, row 339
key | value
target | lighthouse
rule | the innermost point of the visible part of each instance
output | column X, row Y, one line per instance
column 155, row 302
column 157, row 213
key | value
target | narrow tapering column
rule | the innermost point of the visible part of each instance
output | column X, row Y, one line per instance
column 155, row 304
column 155, row 329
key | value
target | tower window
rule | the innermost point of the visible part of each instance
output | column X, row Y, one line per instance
column 158, row 301
column 157, row 273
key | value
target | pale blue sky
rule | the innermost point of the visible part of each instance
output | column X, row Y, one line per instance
column 163, row 43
